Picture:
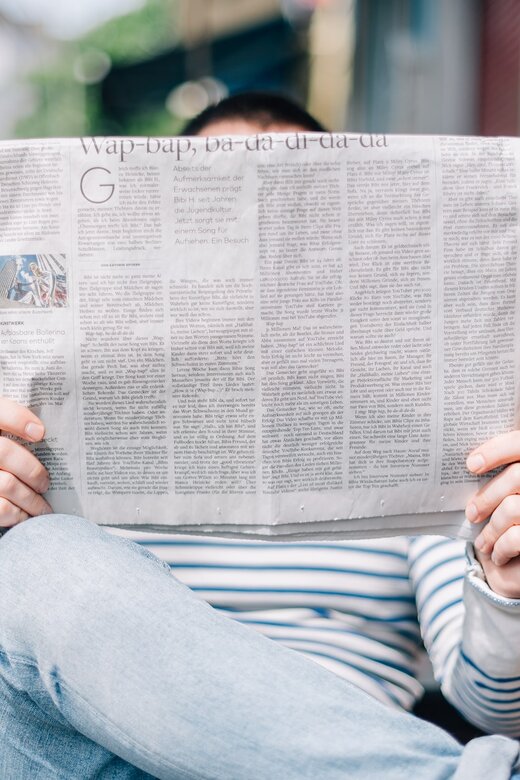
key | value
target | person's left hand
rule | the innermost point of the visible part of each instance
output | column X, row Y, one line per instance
column 498, row 544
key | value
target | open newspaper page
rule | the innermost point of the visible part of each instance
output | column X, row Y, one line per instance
column 290, row 336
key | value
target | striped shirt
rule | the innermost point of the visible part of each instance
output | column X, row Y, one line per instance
column 363, row 609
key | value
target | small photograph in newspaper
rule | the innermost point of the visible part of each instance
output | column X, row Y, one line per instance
column 33, row 280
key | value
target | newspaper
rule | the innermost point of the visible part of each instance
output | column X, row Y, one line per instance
column 284, row 336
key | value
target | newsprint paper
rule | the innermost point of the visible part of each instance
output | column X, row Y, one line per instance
column 285, row 336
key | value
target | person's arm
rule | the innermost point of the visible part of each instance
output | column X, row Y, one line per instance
column 23, row 479
column 472, row 629
column 471, row 633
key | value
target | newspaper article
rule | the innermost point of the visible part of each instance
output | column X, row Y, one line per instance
column 290, row 336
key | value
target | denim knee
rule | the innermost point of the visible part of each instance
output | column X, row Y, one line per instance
column 26, row 546
column 55, row 568
column 67, row 537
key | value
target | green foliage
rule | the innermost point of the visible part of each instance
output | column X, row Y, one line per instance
column 61, row 102
column 65, row 107
column 137, row 35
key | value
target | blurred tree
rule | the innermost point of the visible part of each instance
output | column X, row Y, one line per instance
column 67, row 91
column 135, row 36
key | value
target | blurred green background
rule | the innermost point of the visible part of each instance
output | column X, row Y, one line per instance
column 145, row 66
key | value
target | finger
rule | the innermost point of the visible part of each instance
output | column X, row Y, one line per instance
column 505, row 516
column 507, row 546
column 17, row 460
column 504, row 580
column 490, row 495
column 502, row 449
column 10, row 514
column 22, row 496
column 16, row 419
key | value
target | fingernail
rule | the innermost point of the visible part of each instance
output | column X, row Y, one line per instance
column 475, row 462
column 471, row 513
column 34, row 431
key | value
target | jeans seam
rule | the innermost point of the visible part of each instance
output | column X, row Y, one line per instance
column 28, row 662
column 14, row 657
column 131, row 743
column 19, row 659
column 22, row 661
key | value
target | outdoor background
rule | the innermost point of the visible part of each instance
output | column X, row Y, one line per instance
column 145, row 66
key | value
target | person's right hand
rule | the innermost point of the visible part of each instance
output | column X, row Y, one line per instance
column 22, row 477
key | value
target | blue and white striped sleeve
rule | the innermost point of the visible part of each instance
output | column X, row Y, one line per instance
column 472, row 635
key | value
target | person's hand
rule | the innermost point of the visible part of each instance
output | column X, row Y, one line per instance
column 22, row 477
column 498, row 544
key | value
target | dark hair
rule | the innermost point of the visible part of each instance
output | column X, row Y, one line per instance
column 263, row 108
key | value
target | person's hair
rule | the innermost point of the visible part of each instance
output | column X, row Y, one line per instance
column 262, row 108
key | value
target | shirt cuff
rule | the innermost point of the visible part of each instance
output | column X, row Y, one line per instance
column 477, row 579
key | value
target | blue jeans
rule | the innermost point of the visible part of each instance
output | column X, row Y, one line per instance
column 110, row 668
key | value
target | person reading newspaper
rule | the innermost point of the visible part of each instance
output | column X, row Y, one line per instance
column 110, row 667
